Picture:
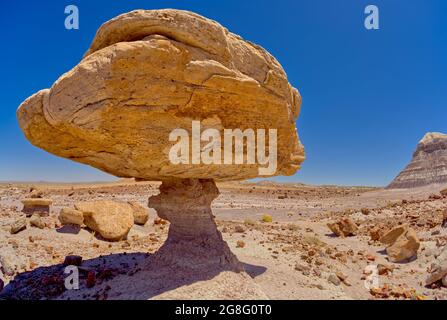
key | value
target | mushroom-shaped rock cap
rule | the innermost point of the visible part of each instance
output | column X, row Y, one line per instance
column 148, row 73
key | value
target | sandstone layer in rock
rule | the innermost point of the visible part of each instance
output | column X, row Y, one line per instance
column 150, row 72
column 428, row 165
column 37, row 202
column 112, row 220
column 391, row 236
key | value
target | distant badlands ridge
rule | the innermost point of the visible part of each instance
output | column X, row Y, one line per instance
column 428, row 165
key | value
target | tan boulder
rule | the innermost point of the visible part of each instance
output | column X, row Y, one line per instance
column 438, row 269
column 112, row 220
column 140, row 213
column 403, row 243
column 391, row 236
column 146, row 74
column 150, row 72
column 36, row 221
column 71, row 216
column 343, row 228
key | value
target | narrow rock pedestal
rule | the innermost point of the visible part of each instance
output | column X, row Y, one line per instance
column 193, row 240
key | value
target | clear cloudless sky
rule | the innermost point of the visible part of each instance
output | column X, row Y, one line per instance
column 368, row 96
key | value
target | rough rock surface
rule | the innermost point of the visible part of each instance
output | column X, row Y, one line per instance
column 405, row 247
column 71, row 216
column 428, row 166
column 149, row 72
column 36, row 221
column 18, row 225
column 112, row 220
column 391, row 236
column 403, row 243
column 438, row 268
column 343, row 228
column 140, row 213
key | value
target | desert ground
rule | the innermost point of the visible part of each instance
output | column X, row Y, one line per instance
column 293, row 256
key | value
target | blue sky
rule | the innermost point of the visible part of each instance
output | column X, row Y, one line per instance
column 368, row 96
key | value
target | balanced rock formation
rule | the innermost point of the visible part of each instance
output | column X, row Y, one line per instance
column 146, row 75
column 112, row 220
column 150, row 72
column 428, row 166
column 402, row 243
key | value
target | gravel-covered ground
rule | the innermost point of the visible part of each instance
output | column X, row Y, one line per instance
column 295, row 256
